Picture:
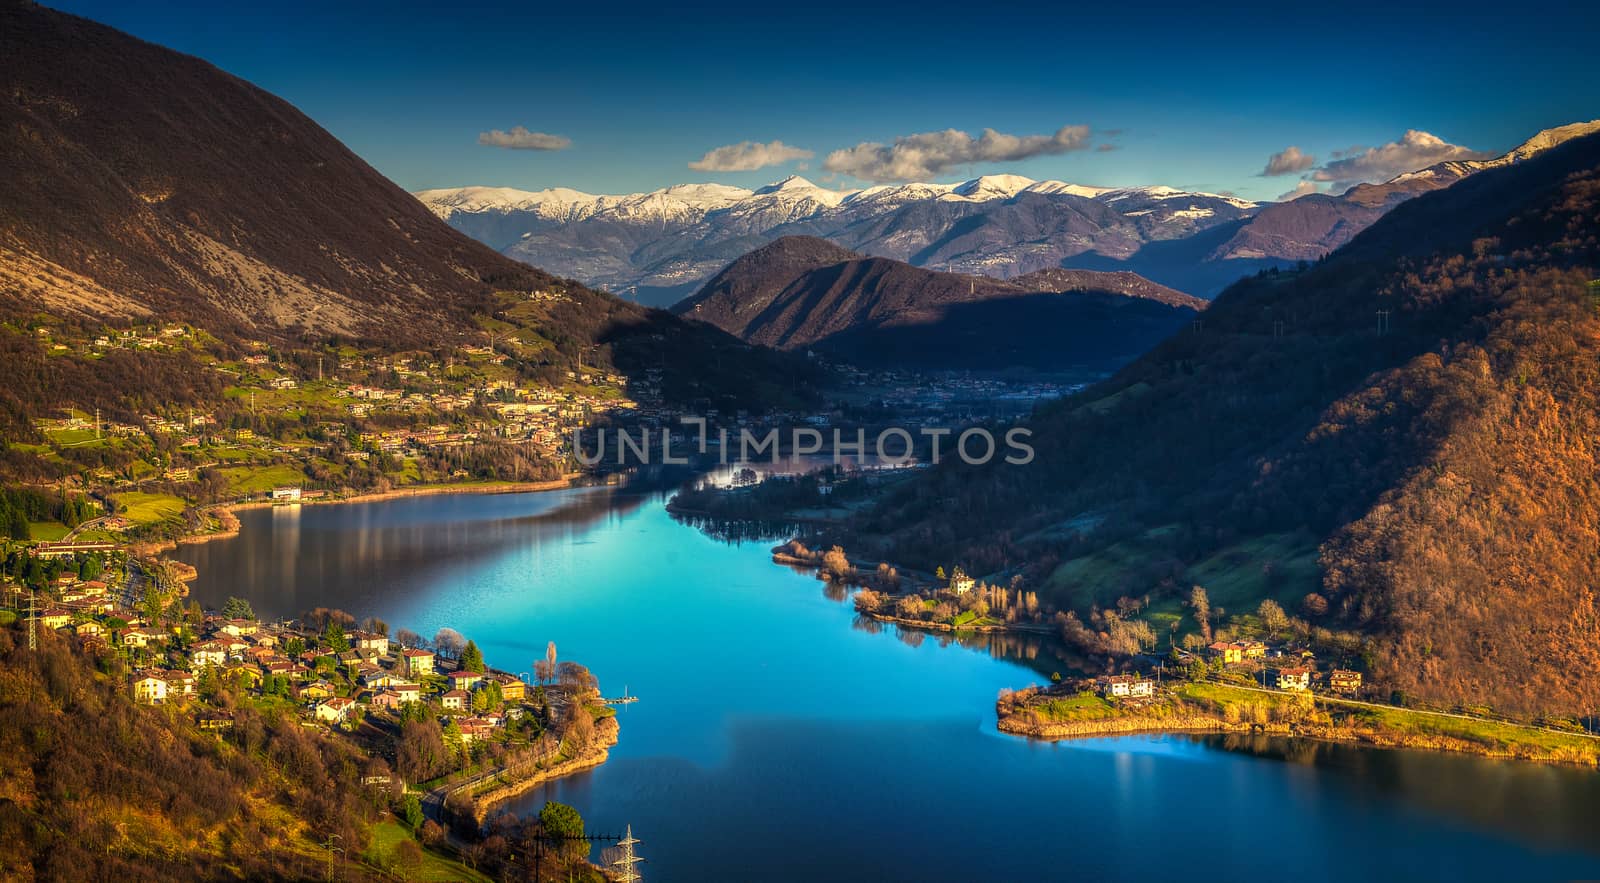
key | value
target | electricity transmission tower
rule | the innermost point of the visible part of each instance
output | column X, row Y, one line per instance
column 629, row 858
column 332, row 851
column 33, row 619
column 545, row 837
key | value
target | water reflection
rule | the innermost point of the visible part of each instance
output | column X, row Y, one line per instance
column 740, row 530
column 286, row 559
column 1538, row 802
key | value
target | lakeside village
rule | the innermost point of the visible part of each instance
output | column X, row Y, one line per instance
column 1265, row 672
column 303, row 426
column 444, row 732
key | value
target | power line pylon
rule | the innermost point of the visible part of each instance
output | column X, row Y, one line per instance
column 33, row 619
column 629, row 858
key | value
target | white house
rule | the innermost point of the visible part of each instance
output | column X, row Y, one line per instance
column 960, row 583
column 1127, row 687
column 1296, row 679
column 335, row 710
column 207, row 653
column 150, row 688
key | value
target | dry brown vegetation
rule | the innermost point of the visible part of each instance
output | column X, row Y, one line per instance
column 93, row 787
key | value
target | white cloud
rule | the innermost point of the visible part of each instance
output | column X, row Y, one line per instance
column 1304, row 188
column 1288, row 161
column 519, row 138
column 930, row 154
column 747, row 156
column 1415, row 150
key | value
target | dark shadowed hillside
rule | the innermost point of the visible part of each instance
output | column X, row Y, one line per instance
column 1408, row 429
column 143, row 184
column 141, row 181
column 804, row 292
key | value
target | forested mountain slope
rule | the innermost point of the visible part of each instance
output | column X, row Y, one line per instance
column 1421, row 407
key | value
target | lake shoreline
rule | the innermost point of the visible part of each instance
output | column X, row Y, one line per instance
column 607, row 731
column 1020, row 722
column 225, row 513
column 1221, row 713
column 945, row 627
column 769, row 739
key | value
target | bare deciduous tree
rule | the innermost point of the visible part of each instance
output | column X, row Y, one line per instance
column 1273, row 619
column 449, row 643
column 1201, row 603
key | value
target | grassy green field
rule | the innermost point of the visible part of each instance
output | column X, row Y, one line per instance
column 1083, row 707
column 1102, row 405
column 1217, row 696
column 260, row 479
column 1237, row 578
column 47, row 531
column 1279, row 566
column 308, row 396
column 73, row 437
column 386, row 839
column 1105, row 576
column 147, row 508
column 1494, row 734
column 1400, row 723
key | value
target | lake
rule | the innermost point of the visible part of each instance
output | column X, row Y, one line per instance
column 778, row 738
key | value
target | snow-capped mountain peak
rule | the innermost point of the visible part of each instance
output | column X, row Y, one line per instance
column 993, row 187
column 793, row 182
column 1454, row 169
column 485, row 198
column 660, row 245
column 1545, row 140
column 1083, row 190
column 677, row 236
column 1161, row 193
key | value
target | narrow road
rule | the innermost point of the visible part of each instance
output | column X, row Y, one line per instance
column 433, row 801
column 87, row 525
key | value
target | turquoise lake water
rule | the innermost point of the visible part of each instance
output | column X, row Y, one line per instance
column 778, row 738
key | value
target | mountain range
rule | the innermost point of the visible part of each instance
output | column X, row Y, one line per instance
column 803, row 292
column 661, row 246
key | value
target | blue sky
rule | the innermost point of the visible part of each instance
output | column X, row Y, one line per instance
column 1195, row 95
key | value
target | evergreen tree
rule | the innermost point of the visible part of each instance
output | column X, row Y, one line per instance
column 472, row 658
column 238, row 608
column 334, row 637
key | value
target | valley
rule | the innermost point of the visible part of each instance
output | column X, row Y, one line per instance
column 918, row 506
